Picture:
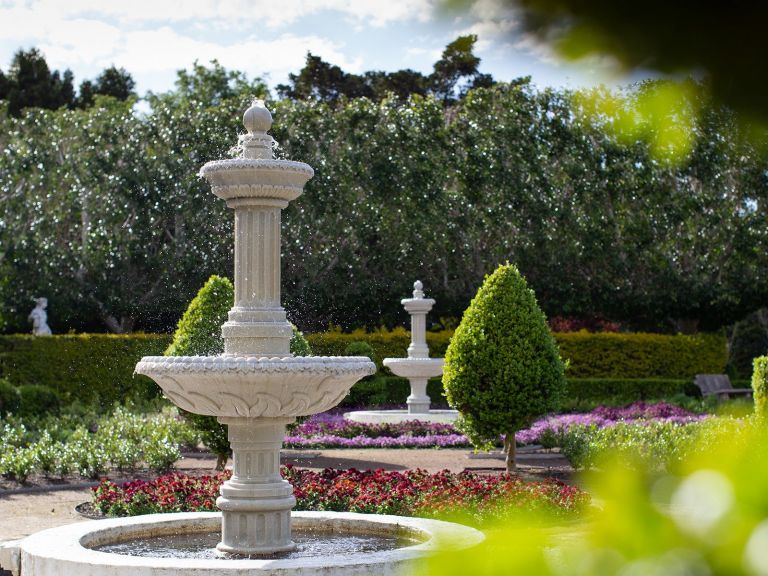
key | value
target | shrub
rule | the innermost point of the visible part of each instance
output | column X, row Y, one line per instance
column 362, row 348
column 199, row 330
column 199, row 333
column 38, row 400
column 389, row 391
column 609, row 355
column 627, row 390
column 656, row 445
column 9, row 398
column 502, row 367
column 760, row 386
column 93, row 369
column 120, row 441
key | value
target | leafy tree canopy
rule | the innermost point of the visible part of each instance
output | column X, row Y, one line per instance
column 31, row 84
column 455, row 73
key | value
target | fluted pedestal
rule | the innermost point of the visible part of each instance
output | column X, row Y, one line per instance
column 256, row 502
column 418, row 401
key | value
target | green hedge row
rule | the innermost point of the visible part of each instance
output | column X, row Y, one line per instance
column 628, row 390
column 96, row 369
column 393, row 391
column 616, row 355
column 385, row 343
column 390, row 391
column 602, row 355
column 760, row 385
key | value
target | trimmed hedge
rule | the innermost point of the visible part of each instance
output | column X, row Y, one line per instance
column 616, row 355
column 628, row 390
column 98, row 368
column 392, row 391
column 600, row 355
column 385, row 343
column 95, row 369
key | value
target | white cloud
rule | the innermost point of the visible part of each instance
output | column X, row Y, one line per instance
column 234, row 13
column 541, row 51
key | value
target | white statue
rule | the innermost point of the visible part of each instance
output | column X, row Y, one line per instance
column 39, row 318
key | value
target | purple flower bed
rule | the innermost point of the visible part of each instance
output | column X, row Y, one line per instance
column 604, row 416
column 331, row 441
column 330, row 430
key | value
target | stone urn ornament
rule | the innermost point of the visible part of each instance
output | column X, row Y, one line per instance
column 39, row 318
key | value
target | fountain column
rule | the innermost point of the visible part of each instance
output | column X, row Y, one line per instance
column 257, row 324
column 418, row 307
column 256, row 502
column 256, row 387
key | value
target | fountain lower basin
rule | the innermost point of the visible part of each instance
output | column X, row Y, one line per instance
column 68, row 550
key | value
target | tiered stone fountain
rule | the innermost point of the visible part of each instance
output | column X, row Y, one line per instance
column 418, row 367
column 256, row 387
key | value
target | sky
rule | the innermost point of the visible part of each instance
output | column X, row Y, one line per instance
column 152, row 39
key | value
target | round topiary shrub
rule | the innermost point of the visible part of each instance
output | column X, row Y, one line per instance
column 199, row 334
column 9, row 398
column 760, row 386
column 502, row 367
column 38, row 400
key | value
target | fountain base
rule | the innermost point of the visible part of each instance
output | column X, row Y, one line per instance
column 397, row 416
column 69, row 550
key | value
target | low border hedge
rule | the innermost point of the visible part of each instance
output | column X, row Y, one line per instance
column 590, row 355
column 95, row 369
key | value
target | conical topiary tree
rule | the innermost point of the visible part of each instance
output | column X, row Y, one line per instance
column 502, row 367
column 199, row 334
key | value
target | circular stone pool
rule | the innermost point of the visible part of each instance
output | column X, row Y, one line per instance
column 365, row 544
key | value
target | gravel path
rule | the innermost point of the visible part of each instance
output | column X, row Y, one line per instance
column 24, row 510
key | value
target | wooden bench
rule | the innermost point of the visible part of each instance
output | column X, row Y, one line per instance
column 719, row 385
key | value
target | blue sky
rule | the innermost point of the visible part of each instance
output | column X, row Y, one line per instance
column 154, row 38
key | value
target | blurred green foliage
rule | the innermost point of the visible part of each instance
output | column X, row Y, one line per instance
column 709, row 517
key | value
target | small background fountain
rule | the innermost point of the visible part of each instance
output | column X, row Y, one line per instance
column 256, row 387
column 418, row 367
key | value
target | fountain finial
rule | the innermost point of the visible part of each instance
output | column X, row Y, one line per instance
column 257, row 119
column 418, row 289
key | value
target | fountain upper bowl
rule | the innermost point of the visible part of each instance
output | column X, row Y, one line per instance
column 415, row 367
column 255, row 387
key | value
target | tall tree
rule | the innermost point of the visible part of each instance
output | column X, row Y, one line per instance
column 457, row 70
column 454, row 74
column 320, row 80
column 114, row 82
column 31, row 84
column 211, row 86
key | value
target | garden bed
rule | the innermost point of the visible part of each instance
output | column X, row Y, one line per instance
column 473, row 498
